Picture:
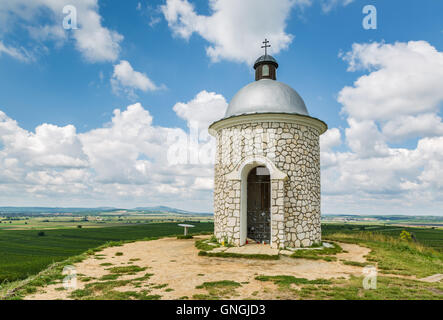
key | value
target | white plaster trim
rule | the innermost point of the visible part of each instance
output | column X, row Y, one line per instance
column 254, row 161
column 268, row 117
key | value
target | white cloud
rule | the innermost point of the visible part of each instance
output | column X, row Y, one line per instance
column 364, row 138
column 122, row 163
column 403, row 127
column 328, row 5
column 199, row 113
column 399, row 98
column 405, row 79
column 330, row 139
column 96, row 42
column 204, row 109
column 234, row 29
column 127, row 79
column 203, row 184
column 17, row 53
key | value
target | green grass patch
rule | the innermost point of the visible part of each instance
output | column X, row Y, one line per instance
column 60, row 289
column 127, row 270
column 217, row 290
column 392, row 255
column 85, row 279
column 287, row 281
column 219, row 284
column 239, row 255
column 110, row 277
column 204, row 245
column 318, row 254
column 143, row 278
column 205, row 297
column 105, row 291
column 81, row 293
column 355, row 263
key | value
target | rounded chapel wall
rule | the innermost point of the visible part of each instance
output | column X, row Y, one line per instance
column 295, row 202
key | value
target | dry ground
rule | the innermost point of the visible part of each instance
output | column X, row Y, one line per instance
column 176, row 263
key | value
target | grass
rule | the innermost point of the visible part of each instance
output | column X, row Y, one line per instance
column 204, row 245
column 23, row 253
column 393, row 256
column 51, row 275
column 428, row 237
column 219, row 284
column 239, row 255
column 105, row 291
column 388, row 288
column 217, row 290
column 110, row 277
column 320, row 254
column 126, row 270
column 287, row 281
column 355, row 263
column 85, row 279
column 106, row 264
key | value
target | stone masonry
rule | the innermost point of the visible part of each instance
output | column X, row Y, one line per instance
column 293, row 149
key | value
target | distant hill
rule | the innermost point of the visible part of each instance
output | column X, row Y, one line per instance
column 383, row 217
column 52, row 210
column 386, row 219
column 11, row 211
column 164, row 209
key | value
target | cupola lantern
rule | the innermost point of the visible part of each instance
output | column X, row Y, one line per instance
column 265, row 66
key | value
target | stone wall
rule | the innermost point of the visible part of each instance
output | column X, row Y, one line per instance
column 295, row 201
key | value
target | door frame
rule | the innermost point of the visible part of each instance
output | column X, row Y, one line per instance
column 240, row 173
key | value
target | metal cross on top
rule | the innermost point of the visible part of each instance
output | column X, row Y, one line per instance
column 266, row 46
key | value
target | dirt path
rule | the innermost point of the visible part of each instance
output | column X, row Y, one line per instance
column 177, row 264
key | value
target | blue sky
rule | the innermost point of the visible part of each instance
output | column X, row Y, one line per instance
column 64, row 79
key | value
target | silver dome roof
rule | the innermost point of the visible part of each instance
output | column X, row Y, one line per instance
column 266, row 96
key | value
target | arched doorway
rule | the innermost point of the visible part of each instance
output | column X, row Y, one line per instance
column 259, row 205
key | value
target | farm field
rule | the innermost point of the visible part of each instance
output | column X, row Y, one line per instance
column 24, row 252
column 393, row 220
column 95, row 221
column 430, row 237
